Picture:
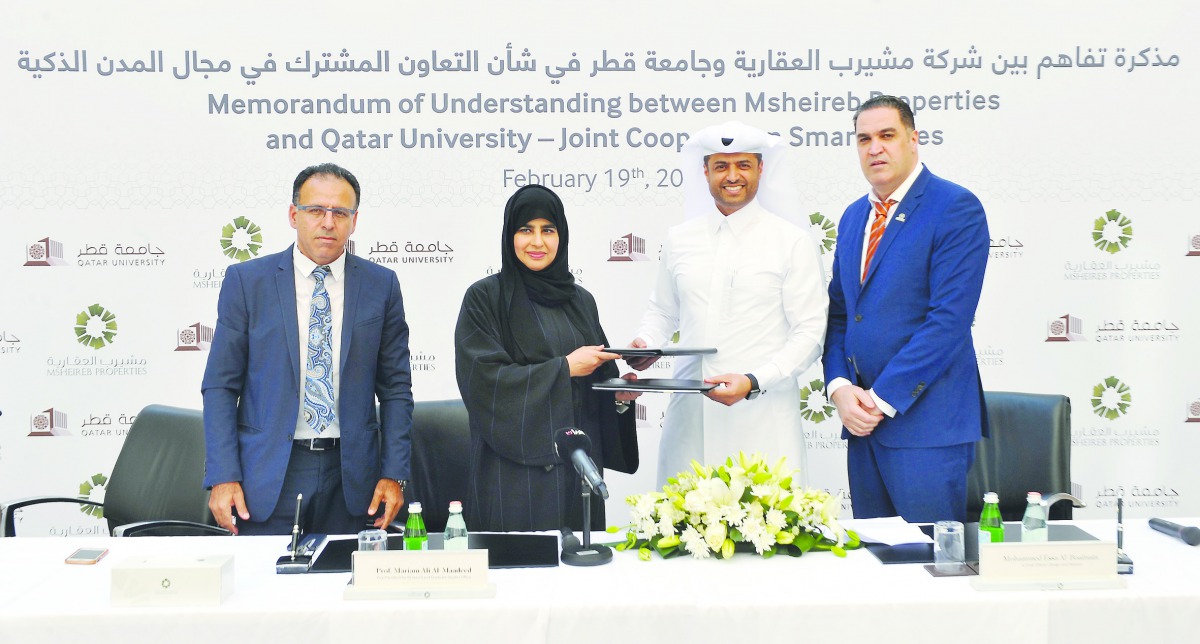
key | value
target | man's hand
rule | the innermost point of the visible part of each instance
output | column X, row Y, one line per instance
column 388, row 491
column 629, row 395
column 737, row 385
column 857, row 410
column 584, row 360
column 641, row 364
column 223, row 497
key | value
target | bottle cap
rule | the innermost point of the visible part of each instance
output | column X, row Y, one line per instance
column 455, row 506
column 414, row 507
column 1033, row 497
column 991, row 497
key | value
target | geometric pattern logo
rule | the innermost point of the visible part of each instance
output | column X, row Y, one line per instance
column 1193, row 411
column 814, row 405
column 50, row 422
column 1112, row 232
column 1193, row 246
column 93, row 490
column 629, row 248
column 1067, row 328
column 196, row 337
column 96, row 327
column 44, row 252
column 349, row 248
column 824, row 231
column 241, row 239
column 1111, row 398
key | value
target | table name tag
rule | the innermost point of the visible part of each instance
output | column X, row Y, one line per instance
column 420, row 569
column 1048, row 565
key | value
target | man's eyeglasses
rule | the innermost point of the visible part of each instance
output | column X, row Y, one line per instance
column 318, row 212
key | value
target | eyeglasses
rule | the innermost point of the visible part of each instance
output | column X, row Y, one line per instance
column 318, row 212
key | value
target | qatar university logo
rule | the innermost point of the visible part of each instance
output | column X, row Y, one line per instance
column 814, row 405
column 50, row 422
column 1193, row 246
column 96, row 327
column 823, row 231
column 1111, row 398
column 1067, row 328
column 1112, row 232
column 629, row 248
column 196, row 337
column 241, row 239
column 44, row 252
column 1193, row 411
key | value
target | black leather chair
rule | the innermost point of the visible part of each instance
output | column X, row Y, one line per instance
column 1029, row 450
column 441, row 443
column 155, row 488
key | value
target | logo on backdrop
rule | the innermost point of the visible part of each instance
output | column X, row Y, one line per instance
column 814, row 406
column 434, row 252
column 1193, row 246
column 45, row 252
column 1153, row 494
column 1193, row 411
column 989, row 357
column 196, row 337
column 96, row 327
column 92, row 489
column 1067, row 328
column 241, row 239
column 1137, row 331
column 642, row 417
column 1111, row 398
column 1112, row 232
column 824, row 232
column 105, row 425
column 50, row 422
column 629, row 248
column 422, row 361
column 1005, row 248
column 9, row 343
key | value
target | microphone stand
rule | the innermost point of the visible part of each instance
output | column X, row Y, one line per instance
column 296, row 561
column 585, row 554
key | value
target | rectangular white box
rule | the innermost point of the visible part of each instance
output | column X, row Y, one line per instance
column 172, row 581
column 1061, row 565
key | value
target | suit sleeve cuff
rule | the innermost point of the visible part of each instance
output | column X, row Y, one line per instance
column 887, row 409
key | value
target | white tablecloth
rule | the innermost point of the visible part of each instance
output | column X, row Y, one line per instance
column 818, row 597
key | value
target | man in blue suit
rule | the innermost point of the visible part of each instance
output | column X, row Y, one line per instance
column 899, row 360
column 306, row 340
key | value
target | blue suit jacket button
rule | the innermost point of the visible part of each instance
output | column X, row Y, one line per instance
column 858, row 317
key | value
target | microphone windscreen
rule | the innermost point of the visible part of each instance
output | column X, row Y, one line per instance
column 569, row 439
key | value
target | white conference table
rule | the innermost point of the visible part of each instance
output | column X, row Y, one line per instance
column 817, row 597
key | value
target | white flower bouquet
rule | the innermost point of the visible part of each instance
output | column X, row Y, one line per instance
column 733, row 507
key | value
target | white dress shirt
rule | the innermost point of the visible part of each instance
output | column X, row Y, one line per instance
column 335, row 286
column 751, row 285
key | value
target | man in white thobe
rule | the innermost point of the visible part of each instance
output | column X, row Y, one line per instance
column 738, row 277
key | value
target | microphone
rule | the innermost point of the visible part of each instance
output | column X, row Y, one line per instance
column 570, row 542
column 572, row 444
column 1185, row 533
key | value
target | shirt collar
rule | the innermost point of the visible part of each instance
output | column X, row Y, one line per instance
column 738, row 220
column 305, row 266
column 902, row 191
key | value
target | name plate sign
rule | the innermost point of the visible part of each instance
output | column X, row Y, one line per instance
column 419, row 574
column 1058, row 565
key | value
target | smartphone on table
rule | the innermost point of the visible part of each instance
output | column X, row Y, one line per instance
column 87, row 555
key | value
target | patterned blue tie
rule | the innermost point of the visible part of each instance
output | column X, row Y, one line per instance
column 318, row 376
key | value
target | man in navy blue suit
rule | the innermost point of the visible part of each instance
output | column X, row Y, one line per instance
column 899, row 359
column 306, row 341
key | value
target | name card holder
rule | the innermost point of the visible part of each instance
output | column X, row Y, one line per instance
column 1048, row 565
column 419, row 574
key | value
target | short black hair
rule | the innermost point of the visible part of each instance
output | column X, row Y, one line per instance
column 906, row 115
column 330, row 169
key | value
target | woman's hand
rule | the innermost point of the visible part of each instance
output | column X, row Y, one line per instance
column 584, row 360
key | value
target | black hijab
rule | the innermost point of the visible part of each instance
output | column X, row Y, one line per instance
column 553, row 286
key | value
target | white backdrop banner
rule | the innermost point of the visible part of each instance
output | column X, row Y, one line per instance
column 144, row 156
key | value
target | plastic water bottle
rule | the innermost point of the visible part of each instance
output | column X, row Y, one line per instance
column 1033, row 525
column 415, row 537
column 456, row 528
column 991, row 526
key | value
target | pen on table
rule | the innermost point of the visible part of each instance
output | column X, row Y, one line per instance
column 296, row 527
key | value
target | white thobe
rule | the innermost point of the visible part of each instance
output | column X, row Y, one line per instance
column 751, row 285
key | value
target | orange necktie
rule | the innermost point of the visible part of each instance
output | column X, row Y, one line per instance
column 877, row 226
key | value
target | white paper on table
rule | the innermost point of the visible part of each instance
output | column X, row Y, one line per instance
column 887, row 530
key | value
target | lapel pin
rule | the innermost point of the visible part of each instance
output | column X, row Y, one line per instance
column 901, row 218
